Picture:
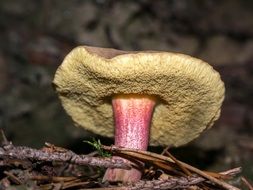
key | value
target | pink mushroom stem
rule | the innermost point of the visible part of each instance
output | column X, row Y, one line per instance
column 132, row 116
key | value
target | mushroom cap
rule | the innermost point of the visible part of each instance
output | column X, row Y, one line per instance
column 189, row 91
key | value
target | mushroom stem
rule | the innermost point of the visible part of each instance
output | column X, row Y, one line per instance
column 132, row 116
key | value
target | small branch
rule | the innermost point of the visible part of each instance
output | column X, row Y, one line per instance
column 186, row 171
column 13, row 178
column 232, row 172
column 247, row 183
column 171, row 183
column 24, row 153
column 209, row 177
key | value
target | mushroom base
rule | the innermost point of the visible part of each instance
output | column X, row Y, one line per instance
column 132, row 116
column 122, row 175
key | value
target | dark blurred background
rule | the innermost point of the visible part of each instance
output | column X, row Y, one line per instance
column 36, row 35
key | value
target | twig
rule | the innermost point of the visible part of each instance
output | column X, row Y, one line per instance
column 171, row 183
column 24, row 153
column 13, row 177
column 209, row 177
column 247, row 183
column 185, row 170
column 232, row 172
column 3, row 139
column 52, row 178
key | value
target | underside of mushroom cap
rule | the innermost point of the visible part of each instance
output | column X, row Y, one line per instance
column 189, row 91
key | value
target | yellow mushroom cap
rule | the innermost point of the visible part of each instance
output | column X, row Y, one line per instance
column 189, row 91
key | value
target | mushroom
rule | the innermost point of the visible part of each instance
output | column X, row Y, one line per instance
column 173, row 97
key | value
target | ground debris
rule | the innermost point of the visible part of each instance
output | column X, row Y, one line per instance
column 54, row 167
